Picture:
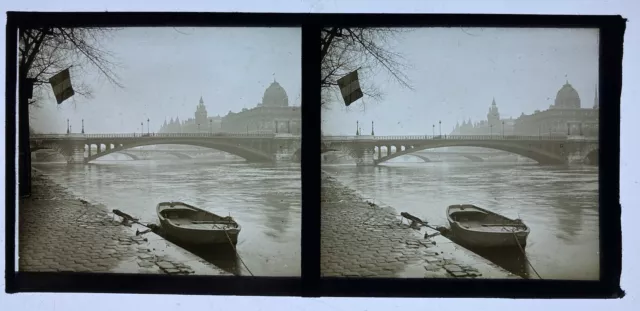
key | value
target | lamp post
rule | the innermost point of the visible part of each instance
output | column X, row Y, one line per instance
column 210, row 126
column 357, row 128
column 82, row 126
column 433, row 132
column 491, row 130
column 440, row 127
column 141, row 128
column 68, row 128
column 148, row 131
column 372, row 134
column 502, row 129
column 198, row 127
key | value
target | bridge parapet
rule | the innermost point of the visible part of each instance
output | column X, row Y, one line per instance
column 153, row 135
column 452, row 137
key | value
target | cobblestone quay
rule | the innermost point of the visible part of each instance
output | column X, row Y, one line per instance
column 362, row 239
column 58, row 232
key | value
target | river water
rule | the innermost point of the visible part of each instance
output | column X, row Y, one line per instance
column 559, row 204
column 264, row 198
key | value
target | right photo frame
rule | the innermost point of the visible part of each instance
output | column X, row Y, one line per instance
column 460, row 152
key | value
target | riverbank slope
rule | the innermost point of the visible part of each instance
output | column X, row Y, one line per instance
column 58, row 232
column 363, row 239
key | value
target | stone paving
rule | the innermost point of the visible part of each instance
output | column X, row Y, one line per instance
column 362, row 239
column 58, row 232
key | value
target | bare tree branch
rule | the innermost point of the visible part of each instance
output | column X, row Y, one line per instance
column 43, row 52
column 367, row 49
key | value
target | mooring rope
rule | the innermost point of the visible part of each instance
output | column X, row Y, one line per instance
column 236, row 251
column 525, row 254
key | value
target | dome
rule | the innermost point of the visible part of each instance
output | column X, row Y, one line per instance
column 567, row 97
column 275, row 96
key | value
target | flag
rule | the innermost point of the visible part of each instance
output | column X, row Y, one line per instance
column 350, row 88
column 61, row 84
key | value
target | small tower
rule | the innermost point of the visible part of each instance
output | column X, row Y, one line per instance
column 493, row 117
column 201, row 112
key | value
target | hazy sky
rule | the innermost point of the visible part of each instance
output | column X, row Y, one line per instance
column 457, row 72
column 166, row 70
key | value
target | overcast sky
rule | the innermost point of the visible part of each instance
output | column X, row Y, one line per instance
column 166, row 70
column 457, row 72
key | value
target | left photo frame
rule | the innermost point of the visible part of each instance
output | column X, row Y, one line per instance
column 159, row 151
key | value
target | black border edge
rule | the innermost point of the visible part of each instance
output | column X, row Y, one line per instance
column 610, row 84
column 311, row 118
column 11, row 64
column 310, row 285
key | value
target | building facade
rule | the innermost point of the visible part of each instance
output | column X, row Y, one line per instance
column 564, row 117
column 272, row 115
column 201, row 123
column 493, row 125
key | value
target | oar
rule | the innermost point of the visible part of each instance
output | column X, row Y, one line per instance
column 418, row 220
column 130, row 218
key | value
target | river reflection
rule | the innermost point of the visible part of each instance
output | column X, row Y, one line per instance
column 264, row 198
column 559, row 204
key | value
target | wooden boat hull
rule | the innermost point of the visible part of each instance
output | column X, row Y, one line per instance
column 197, row 227
column 478, row 227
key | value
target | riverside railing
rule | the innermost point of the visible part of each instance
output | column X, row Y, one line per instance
column 155, row 135
column 456, row 137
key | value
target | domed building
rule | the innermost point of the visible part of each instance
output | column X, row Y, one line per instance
column 565, row 117
column 272, row 115
column 274, row 96
column 567, row 98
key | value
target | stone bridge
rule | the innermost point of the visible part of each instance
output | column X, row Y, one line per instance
column 259, row 147
column 548, row 150
column 427, row 156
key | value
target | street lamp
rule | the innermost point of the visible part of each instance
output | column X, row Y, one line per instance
column 491, row 130
column 148, row 131
column 68, row 128
column 502, row 129
column 433, row 132
column 82, row 126
column 141, row 128
column 440, row 127
column 210, row 126
column 198, row 127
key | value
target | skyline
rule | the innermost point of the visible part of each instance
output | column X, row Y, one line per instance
column 165, row 71
column 457, row 79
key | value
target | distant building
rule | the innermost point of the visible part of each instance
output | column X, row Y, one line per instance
column 493, row 125
column 565, row 117
column 200, row 124
column 272, row 115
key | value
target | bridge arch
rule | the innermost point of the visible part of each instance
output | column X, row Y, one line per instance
column 527, row 151
column 179, row 155
column 130, row 155
column 592, row 157
column 248, row 154
column 421, row 157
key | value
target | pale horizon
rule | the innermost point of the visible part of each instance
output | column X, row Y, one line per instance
column 166, row 70
column 456, row 73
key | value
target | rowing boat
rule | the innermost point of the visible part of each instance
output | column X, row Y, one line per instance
column 479, row 227
column 191, row 225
